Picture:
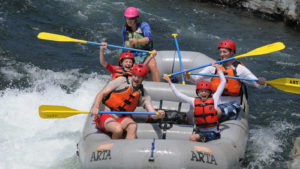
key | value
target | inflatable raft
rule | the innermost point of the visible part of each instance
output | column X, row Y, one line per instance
column 165, row 143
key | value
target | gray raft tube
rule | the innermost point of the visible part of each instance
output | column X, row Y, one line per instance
column 163, row 98
column 167, row 63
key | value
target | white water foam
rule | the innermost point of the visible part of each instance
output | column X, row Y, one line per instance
column 29, row 142
column 267, row 143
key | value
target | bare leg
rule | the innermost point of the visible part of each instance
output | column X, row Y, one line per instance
column 194, row 137
column 219, row 112
column 154, row 70
column 111, row 125
column 130, row 126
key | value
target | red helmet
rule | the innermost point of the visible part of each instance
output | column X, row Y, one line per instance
column 126, row 55
column 140, row 69
column 131, row 12
column 203, row 85
column 227, row 44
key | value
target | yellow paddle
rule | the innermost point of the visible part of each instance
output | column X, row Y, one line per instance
column 62, row 38
column 55, row 111
column 258, row 51
column 291, row 85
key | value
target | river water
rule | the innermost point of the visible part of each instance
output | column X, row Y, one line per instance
column 34, row 72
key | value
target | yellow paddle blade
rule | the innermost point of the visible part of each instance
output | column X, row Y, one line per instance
column 59, row 38
column 53, row 111
column 291, row 85
column 263, row 50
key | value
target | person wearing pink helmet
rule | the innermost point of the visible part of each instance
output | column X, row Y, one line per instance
column 138, row 35
column 126, row 62
column 123, row 94
column 206, row 111
column 231, row 98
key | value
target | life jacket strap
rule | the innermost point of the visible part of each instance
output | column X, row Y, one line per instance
column 203, row 104
column 205, row 115
column 127, row 102
column 206, row 124
column 131, row 96
column 121, row 108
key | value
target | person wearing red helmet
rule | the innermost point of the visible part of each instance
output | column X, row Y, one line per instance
column 206, row 110
column 126, row 62
column 123, row 94
column 138, row 35
column 230, row 100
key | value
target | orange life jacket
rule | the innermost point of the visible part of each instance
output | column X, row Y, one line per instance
column 121, row 72
column 123, row 100
column 232, row 86
column 205, row 113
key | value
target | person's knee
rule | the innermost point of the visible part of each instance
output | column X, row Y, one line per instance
column 132, row 127
column 193, row 137
column 117, row 130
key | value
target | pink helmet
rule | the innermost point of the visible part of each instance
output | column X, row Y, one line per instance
column 203, row 85
column 140, row 70
column 131, row 12
column 126, row 55
column 227, row 44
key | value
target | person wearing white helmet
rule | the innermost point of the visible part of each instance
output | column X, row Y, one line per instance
column 138, row 35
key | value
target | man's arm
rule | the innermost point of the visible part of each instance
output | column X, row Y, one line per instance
column 244, row 72
column 103, row 62
column 152, row 55
column 111, row 86
column 146, row 102
column 147, row 35
column 104, row 92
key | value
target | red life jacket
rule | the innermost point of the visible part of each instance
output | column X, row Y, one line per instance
column 123, row 100
column 121, row 72
column 205, row 113
column 232, row 86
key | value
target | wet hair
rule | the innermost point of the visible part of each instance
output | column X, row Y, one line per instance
column 128, row 28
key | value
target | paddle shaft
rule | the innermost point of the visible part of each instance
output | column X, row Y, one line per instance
column 100, row 112
column 291, row 85
column 117, row 112
column 199, row 67
column 230, row 77
column 258, row 51
column 119, row 47
column 179, row 55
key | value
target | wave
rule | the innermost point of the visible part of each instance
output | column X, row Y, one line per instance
column 27, row 137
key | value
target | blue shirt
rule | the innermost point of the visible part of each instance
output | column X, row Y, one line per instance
column 144, row 27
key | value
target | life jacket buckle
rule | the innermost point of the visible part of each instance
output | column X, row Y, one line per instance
column 127, row 102
column 203, row 104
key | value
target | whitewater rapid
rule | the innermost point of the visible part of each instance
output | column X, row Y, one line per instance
column 29, row 142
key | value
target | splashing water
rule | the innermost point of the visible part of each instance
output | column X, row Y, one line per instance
column 268, row 143
column 26, row 138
